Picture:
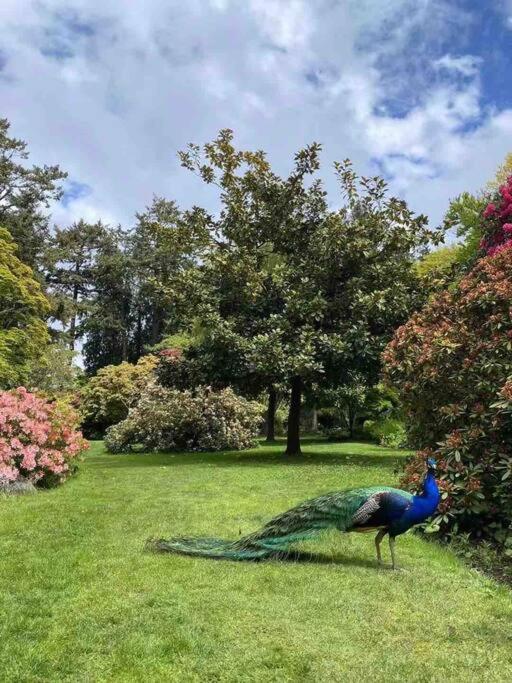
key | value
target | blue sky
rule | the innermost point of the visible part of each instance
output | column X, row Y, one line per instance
column 417, row 90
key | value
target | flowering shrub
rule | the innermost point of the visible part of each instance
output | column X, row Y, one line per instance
column 107, row 397
column 452, row 365
column 497, row 221
column 38, row 439
column 167, row 419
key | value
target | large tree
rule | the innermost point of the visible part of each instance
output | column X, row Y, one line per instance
column 165, row 243
column 25, row 194
column 23, row 308
column 71, row 264
column 308, row 294
column 108, row 326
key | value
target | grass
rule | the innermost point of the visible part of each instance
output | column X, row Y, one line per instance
column 81, row 601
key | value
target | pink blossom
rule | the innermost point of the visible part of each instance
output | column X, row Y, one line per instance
column 37, row 438
column 505, row 193
column 489, row 210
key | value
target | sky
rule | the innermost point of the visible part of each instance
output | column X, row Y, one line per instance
column 417, row 91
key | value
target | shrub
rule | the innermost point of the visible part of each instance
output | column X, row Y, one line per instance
column 107, row 397
column 173, row 370
column 327, row 418
column 388, row 432
column 452, row 364
column 167, row 419
column 336, row 434
column 38, row 439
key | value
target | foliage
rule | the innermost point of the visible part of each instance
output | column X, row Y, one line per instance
column 176, row 371
column 295, row 292
column 23, row 307
column 386, row 431
column 350, row 400
column 439, row 268
column 483, row 556
column 349, row 406
column 24, row 195
column 70, row 264
column 327, row 417
column 496, row 225
column 107, row 397
column 166, row 419
column 108, row 324
column 464, row 215
column 502, row 174
column 480, row 227
column 54, row 373
column 164, row 246
column 38, row 439
column 134, row 299
column 452, row 366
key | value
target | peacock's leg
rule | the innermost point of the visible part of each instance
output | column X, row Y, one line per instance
column 378, row 539
column 392, row 550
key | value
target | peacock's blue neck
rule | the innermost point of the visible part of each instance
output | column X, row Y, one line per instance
column 422, row 507
column 426, row 503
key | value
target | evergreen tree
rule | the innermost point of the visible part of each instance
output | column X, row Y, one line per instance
column 25, row 193
column 108, row 326
column 71, row 272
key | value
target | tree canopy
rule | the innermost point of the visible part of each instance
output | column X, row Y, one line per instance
column 25, row 194
column 297, row 292
column 23, row 308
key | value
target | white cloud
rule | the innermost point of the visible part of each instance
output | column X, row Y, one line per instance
column 287, row 23
column 111, row 90
column 466, row 65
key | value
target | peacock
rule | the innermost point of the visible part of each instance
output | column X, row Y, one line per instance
column 383, row 509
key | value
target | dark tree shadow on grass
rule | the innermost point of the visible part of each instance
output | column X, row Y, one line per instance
column 247, row 459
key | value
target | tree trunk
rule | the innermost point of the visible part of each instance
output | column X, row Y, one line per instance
column 314, row 419
column 156, row 326
column 293, row 437
column 271, row 414
column 352, row 422
column 139, row 334
column 72, row 326
column 124, row 346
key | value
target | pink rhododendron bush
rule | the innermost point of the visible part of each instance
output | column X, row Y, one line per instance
column 39, row 442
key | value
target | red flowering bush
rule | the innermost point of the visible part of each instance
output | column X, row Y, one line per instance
column 497, row 221
column 38, row 439
column 452, row 365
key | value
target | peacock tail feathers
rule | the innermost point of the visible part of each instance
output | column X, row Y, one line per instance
column 338, row 510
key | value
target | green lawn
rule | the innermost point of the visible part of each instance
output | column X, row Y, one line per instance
column 81, row 601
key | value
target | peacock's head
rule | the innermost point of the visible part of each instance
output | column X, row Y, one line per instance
column 431, row 464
